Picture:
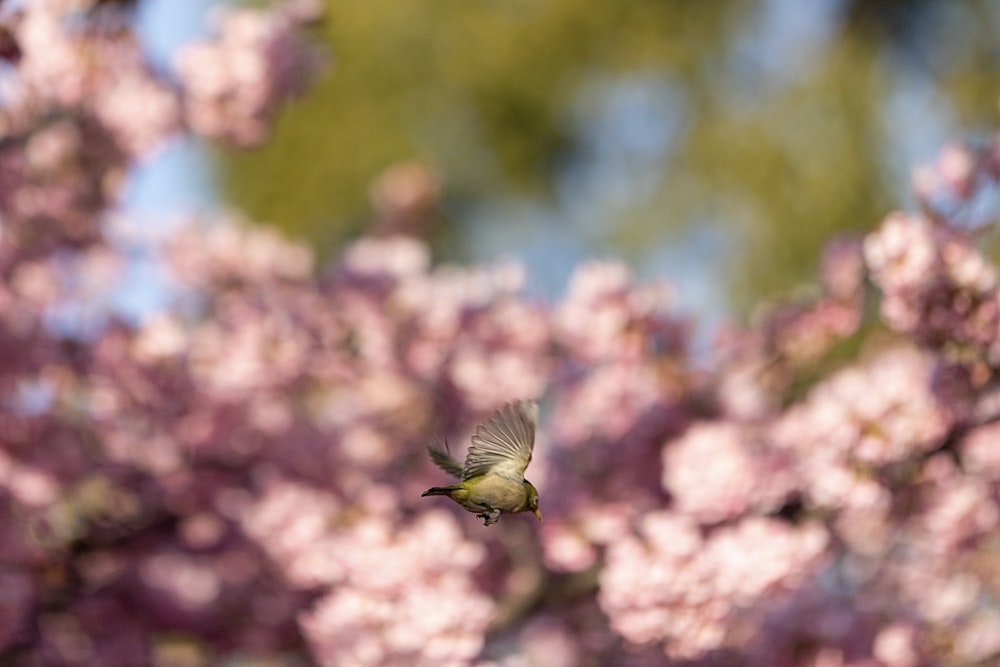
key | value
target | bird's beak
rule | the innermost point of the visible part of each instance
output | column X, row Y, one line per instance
column 538, row 513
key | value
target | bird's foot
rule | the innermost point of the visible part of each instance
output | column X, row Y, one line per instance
column 489, row 518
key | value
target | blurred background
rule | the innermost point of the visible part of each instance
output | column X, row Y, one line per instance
column 716, row 145
column 240, row 475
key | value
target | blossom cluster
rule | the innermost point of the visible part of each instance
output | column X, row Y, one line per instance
column 237, row 478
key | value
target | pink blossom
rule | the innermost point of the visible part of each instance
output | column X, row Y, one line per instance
column 842, row 269
column 574, row 543
column 58, row 67
column 610, row 401
column 51, row 62
column 960, row 508
column 718, row 471
column 901, row 255
column 937, row 287
column 295, row 538
column 228, row 248
column 398, row 257
column 406, row 598
column 183, row 580
column 693, row 593
column 605, row 317
column 236, row 83
column 139, row 111
column 871, row 415
column 980, row 453
column 897, row 645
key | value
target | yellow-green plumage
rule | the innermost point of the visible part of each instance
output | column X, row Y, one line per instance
column 493, row 475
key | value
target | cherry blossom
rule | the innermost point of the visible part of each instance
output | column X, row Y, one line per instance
column 236, row 478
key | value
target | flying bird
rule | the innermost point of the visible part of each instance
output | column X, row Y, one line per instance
column 492, row 479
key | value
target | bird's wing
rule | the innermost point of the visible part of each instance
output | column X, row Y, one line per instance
column 503, row 444
column 443, row 459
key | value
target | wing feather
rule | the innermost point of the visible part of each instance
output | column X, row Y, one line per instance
column 443, row 459
column 503, row 444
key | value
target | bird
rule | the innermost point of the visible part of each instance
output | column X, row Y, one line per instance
column 492, row 479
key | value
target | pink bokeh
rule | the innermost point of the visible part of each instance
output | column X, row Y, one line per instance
column 236, row 479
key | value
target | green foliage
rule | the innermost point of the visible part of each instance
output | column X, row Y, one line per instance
column 487, row 93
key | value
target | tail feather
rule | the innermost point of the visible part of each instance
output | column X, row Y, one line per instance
column 438, row 491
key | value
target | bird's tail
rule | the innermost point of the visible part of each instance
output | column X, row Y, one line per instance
column 438, row 491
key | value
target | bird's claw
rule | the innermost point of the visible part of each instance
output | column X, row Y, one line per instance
column 489, row 518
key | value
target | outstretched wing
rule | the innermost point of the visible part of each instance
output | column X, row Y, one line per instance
column 443, row 459
column 503, row 444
